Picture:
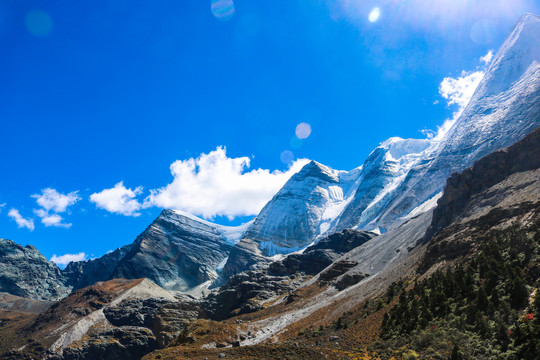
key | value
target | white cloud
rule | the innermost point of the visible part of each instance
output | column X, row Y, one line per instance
column 214, row 184
column 457, row 91
column 21, row 221
column 52, row 202
column 51, row 219
column 486, row 59
column 118, row 199
column 63, row 260
column 50, row 199
column 1, row 206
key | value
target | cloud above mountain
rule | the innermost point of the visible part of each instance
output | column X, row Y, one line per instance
column 118, row 200
column 214, row 184
column 52, row 203
column 209, row 185
column 63, row 260
column 459, row 90
column 21, row 221
column 52, row 200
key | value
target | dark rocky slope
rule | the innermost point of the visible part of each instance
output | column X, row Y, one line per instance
column 247, row 291
column 176, row 251
column 25, row 272
column 500, row 189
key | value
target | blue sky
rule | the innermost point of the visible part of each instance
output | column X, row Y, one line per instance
column 97, row 93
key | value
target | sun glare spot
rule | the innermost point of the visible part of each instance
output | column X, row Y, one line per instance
column 483, row 32
column 222, row 9
column 374, row 14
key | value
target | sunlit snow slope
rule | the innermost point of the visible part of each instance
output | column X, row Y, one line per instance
column 402, row 178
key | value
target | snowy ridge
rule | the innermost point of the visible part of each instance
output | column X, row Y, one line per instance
column 518, row 53
column 403, row 178
column 307, row 203
column 231, row 234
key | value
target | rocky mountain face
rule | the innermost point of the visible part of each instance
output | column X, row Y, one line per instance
column 25, row 272
column 500, row 189
column 329, row 296
column 177, row 251
column 370, row 294
column 319, row 256
column 270, row 278
column 80, row 274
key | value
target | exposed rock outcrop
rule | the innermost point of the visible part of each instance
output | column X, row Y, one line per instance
column 178, row 251
column 317, row 257
column 461, row 187
column 501, row 189
column 25, row 272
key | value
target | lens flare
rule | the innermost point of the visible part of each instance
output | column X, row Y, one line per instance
column 38, row 23
column 374, row 14
column 287, row 157
column 222, row 9
column 483, row 32
column 303, row 130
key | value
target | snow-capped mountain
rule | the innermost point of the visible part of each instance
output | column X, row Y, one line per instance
column 503, row 110
column 309, row 201
column 402, row 178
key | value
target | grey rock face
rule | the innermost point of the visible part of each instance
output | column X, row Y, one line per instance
column 237, row 296
column 488, row 171
column 135, row 312
column 127, row 342
column 165, row 318
column 500, row 190
column 25, row 272
column 245, row 255
column 317, row 257
column 265, row 280
column 84, row 273
column 177, row 251
column 381, row 252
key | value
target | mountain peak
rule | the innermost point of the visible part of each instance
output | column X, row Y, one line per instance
column 317, row 170
column 518, row 55
column 397, row 148
column 528, row 17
